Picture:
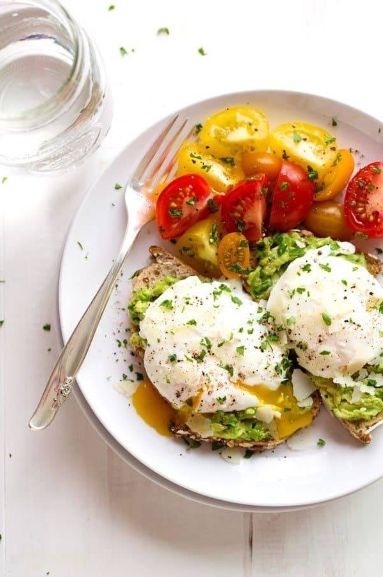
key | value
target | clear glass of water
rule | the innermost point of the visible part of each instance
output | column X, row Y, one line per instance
column 55, row 105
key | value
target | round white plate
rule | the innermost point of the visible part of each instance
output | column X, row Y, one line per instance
column 280, row 478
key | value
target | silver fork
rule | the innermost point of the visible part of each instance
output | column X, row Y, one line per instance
column 155, row 167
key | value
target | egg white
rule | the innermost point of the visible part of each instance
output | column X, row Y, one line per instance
column 319, row 287
column 204, row 359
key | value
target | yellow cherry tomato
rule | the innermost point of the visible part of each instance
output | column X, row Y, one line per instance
column 198, row 246
column 233, row 251
column 327, row 219
column 337, row 177
column 220, row 173
column 305, row 144
column 235, row 131
column 262, row 162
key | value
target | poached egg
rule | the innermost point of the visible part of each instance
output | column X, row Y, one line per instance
column 210, row 346
column 329, row 308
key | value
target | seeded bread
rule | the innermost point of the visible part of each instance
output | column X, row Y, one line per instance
column 167, row 264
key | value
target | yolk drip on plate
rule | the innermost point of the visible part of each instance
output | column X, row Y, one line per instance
column 282, row 400
column 153, row 409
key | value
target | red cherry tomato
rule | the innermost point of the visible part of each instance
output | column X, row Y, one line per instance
column 244, row 207
column 181, row 204
column 292, row 198
column 363, row 203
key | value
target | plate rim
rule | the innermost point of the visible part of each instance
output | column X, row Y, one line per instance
column 129, row 457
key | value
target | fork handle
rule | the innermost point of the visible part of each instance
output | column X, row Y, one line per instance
column 72, row 356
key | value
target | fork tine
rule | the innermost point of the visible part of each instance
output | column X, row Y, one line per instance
column 163, row 150
column 163, row 169
column 146, row 160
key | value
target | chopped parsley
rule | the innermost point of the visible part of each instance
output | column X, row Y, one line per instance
column 307, row 268
column 139, row 376
column 284, row 185
column 198, row 128
column 167, row 304
column 376, row 169
column 244, row 243
column 228, row 160
column 228, row 368
column 163, row 31
column 117, row 186
column 205, row 342
column 248, row 454
column 201, row 356
column 334, row 122
column 240, row 350
column 123, row 51
column 46, row 327
column 325, row 267
column 224, row 287
column 326, row 319
column 221, row 400
column 111, row 7
column 297, row 138
column 324, row 353
column 80, row 245
column 189, row 402
column 312, row 173
column 237, row 268
column 330, row 141
column 344, row 282
column 236, row 301
column 212, row 205
column 202, row 51
column 172, row 358
column 192, row 201
column 4, row 179
column 192, row 322
column 290, row 321
column 321, row 443
column 174, row 212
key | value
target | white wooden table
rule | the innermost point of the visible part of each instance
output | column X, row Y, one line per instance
column 69, row 505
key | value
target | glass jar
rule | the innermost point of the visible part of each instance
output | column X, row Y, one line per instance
column 55, row 105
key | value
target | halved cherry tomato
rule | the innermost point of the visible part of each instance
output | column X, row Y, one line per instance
column 181, row 204
column 235, row 130
column 244, row 207
column 338, row 176
column 309, row 146
column 292, row 198
column 198, row 246
column 233, row 253
column 221, row 173
column 262, row 162
column 363, row 204
column 327, row 219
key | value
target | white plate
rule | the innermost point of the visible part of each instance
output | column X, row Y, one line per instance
column 280, row 478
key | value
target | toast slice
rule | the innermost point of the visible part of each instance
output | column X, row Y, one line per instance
column 167, row 264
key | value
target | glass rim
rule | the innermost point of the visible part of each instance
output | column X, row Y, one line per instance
column 44, row 112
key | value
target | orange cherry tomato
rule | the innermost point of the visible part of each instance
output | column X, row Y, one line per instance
column 262, row 162
column 338, row 176
column 233, row 254
column 327, row 219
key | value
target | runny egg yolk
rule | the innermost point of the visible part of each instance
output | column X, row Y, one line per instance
column 282, row 400
column 153, row 409
column 157, row 413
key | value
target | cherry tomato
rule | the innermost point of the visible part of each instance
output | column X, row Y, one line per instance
column 198, row 246
column 309, row 146
column 338, row 176
column 262, row 162
column 221, row 173
column 327, row 219
column 363, row 204
column 181, row 204
column 233, row 252
column 244, row 207
column 292, row 198
column 235, row 130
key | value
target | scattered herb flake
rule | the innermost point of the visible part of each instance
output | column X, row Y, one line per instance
column 163, row 30
column 321, row 443
column 123, row 51
column 47, row 327
column 202, row 51
column 326, row 319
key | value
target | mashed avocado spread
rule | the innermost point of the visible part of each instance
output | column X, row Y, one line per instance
column 139, row 304
column 339, row 399
column 276, row 252
column 241, row 425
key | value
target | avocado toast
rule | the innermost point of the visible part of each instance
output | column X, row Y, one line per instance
column 229, row 428
column 358, row 411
